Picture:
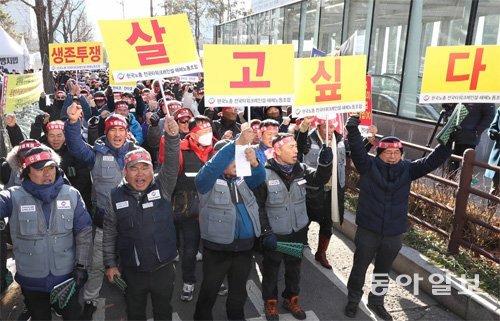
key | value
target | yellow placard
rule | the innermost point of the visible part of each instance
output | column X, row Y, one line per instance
column 466, row 74
column 248, row 75
column 20, row 91
column 74, row 56
column 147, row 48
column 122, row 87
column 330, row 85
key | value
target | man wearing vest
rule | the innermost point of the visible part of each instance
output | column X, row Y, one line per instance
column 106, row 162
column 229, row 222
column 139, row 230
column 51, row 233
column 382, row 211
column 283, row 217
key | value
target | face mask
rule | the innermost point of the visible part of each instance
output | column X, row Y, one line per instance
column 205, row 139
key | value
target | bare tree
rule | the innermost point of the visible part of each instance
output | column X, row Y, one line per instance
column 171, row 7
column 48, row 18
column 6, row 21
column 75, row 27
column 225, row 10
column 196, row 12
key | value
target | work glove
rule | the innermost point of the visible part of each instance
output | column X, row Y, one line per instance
column 325, row 155
column 494, row 135
column 93, row 121
column 353, row 122
column 154, row 119
column 80, row 276
column 270, row 241
column 39, row 119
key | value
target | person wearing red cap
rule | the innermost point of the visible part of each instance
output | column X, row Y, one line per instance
column 182, row 117
column 283, row 217
column 106, row 162
column 139, row 230
column 227, row 126
column 76, row 171
column 51, row 233
column 382, row 211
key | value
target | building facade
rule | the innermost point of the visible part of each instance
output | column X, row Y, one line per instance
column 393, row 34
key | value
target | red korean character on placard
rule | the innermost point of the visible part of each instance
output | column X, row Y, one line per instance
column 69, row 54
column 246, row 82
column 57, row 53
column 81, row 53
column 151, row 54
column 95, row 53
column 476, row 69
column 328, row 91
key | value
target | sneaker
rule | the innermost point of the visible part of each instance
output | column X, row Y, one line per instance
column 293, row 306
column 177, row 258
column 351, row 309
column 271, row 310
column 187, row 292
column 25, row 315
column 199, row 256
column 88, row 310
column 380, row 310
column 222, row 290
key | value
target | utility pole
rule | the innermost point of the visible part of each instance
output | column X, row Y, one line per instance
column 151, row 8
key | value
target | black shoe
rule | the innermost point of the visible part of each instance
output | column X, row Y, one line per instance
column 380, row 310
column 88, row 310
column 351, row 309
column 57, row 310
column 25, row 315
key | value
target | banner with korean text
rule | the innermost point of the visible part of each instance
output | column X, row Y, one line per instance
column 330, row 85
column 148, row 48
column 122, row 87
column 20, row 91
column 461, row 74
column 366, row 116
column 75, row 56
column 248, row 75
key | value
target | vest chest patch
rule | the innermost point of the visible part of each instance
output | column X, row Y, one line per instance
column 302, row 182
column 147, row 205
column 108, row 158
column 121, row 205
column 64, row 205
column 27, row 208
column 153, row 195
column 221, row 182
column 274, row 182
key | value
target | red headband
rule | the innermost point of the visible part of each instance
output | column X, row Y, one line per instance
column 42, row 156
column 201, row 126
column 284, row 141
column 385, row 145
column 52, row 126
column 28, row 145
column 269, row 127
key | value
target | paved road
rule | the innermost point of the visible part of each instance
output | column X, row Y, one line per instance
column 321, row 297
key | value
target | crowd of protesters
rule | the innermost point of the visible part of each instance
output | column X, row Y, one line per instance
column 153, row 172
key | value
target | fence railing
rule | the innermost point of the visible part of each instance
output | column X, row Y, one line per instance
column 459, row 211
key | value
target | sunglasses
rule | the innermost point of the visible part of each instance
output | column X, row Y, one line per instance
column 185, row 121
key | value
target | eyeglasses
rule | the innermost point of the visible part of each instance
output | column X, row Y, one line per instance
column 185, row 121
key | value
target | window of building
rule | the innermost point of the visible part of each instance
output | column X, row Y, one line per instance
column 487, row 26
column 387, row 48
column 433, row 23
column 263, row 28
column 330, row 28
column 357, row 27
column 276, row 27
column 310, row 27
column 292, row 24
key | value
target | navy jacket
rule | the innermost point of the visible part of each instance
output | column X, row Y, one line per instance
column 385, row 188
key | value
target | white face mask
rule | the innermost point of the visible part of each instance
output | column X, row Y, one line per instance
column 205, row 139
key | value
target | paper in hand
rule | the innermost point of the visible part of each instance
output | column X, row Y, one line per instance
column 243, row 167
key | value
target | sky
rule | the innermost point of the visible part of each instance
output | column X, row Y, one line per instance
column 112, row 10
